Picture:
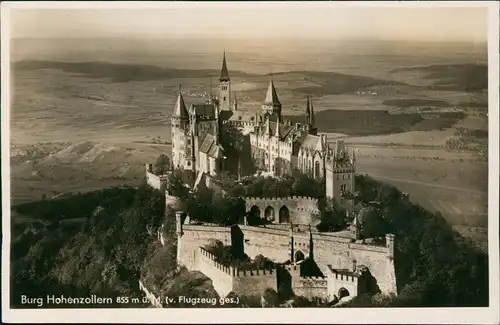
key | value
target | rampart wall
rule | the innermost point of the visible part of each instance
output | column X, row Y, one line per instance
column 274, row 244
column 301, row 209
column 338, row 280
column 227, row 279
column 309, row 286
column 221, row 276
column 195, row 236
column 158, row 182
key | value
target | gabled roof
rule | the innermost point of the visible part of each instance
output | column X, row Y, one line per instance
column 272, row 96
column 180, row 110
column 210, row 147
column 224, row 74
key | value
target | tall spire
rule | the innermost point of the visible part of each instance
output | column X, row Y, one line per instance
column 235, row 103
column 180, row 110
column 311, row 113
column 272, row 96
column 308, row 112
column 224, row 74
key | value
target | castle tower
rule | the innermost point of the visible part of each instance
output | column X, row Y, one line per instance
column 340, row 176
column 224, row 87
column 180, row 126
column 272, row 104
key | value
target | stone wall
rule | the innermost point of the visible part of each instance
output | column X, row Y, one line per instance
column 275, row 244
column 299, row 209
column 254, row 282
column 272, row 243
column 308, row 286
column 337, row 280
column 158, row 182
column 221, row 277
column 195, row 236
column 228, row 279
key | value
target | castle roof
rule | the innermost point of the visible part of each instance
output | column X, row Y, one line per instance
column 210, row 147
column 224, row 73
column 272, row 96
column 203, row 110
column 180, row 110
column 244, row 116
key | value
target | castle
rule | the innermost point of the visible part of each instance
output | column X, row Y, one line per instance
column 347, row 265
column 276, row 146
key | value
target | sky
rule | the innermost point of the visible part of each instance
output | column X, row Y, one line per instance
column 243, row 20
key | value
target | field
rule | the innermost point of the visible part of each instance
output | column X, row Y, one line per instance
column 91, row 123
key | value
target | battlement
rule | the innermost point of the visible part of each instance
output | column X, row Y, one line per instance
column 232, row 271
column 207, row 256
column 284, row 198
column 343, row 275
column 253, row 272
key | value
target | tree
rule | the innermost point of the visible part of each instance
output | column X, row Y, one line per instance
column 162, row 165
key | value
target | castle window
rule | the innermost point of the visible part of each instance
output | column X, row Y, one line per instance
column 338, row 177
column 189, row 163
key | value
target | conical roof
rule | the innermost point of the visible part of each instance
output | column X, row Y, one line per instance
column 180, row 110
column 311, row 112
column 224, row 74
column 272, row 96
column 308, row 112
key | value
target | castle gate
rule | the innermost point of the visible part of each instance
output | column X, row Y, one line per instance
column 296, row 209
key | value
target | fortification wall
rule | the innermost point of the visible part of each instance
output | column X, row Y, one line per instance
column 380, row 265
column 195, row 236
column 336, row 281
column 158, row 182
column 254, row 282
column 308, row 286
column 301, row 209
column 272, row 243
column 221, row 277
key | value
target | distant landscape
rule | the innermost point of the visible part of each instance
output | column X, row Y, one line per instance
column 92, row 119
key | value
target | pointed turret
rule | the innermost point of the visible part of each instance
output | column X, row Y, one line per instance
column 277, row 131
column 311, row 113
column 312, row 127
column 180, row 110
column 308, row 112
column 235, row 103
column 272, row 105
column 272, row 96
column 224, row 74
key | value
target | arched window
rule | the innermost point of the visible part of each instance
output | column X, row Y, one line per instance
column 316, row 169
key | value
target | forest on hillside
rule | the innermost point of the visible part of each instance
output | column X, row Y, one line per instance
column 102, row 242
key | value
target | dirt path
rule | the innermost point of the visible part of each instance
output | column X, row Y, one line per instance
column 453, row 188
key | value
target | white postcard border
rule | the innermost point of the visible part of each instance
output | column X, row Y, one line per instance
column 489, row 315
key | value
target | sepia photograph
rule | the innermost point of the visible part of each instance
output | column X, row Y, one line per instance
column 179, row 161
